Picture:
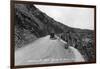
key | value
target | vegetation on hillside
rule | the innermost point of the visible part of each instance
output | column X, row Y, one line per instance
column 31, row 23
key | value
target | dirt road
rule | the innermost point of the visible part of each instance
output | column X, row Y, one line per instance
column 46, row 50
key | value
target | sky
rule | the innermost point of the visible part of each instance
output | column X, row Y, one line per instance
column 72, row 16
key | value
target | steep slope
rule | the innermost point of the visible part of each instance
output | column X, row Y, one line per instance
column 31, row 24
column 29, row 18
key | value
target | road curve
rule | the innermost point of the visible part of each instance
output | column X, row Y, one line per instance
column 46, row 51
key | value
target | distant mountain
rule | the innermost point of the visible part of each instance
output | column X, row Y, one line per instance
column 31, row 23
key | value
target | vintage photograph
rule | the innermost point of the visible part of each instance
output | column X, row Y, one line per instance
column 50, row 34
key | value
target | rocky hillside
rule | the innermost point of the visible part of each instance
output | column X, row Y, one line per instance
column 31, row 23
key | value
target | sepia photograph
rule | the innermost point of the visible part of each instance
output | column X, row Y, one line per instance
column 46, row 33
